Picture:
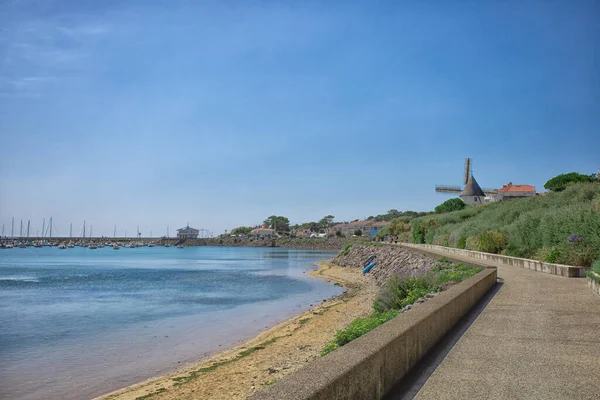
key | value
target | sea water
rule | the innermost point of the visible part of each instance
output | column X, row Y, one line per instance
column 77, row 323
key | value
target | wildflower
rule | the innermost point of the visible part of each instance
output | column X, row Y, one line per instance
column 573, row 239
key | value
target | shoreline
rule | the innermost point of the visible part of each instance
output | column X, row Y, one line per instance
column 242, row 370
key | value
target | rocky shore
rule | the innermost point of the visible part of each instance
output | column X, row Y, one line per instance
column 391, row 260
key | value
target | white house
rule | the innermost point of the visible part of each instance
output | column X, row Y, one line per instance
column 188, row 233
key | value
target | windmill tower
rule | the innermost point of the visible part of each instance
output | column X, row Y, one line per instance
column 471, row 192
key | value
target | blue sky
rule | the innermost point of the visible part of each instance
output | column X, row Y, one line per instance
column 222, row 113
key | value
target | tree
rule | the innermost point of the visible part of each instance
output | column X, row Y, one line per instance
column 278, row 222
column 560, row 182
column 326, row 221
column 241, row 230
column 454, row 204
column 358, row 232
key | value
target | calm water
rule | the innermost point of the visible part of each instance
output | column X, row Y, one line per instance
column 78, row 323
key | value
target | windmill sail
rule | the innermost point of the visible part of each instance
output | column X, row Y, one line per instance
column 467, row 171
column 448, row 189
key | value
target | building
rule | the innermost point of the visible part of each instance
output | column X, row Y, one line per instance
column 368, row 228
column 188, row 233
column 472, row 193
column 510, row 191
column 263, row 233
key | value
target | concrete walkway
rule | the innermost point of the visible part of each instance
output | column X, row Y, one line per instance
column 538, row 338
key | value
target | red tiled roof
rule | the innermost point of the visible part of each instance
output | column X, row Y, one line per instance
column 517, row 188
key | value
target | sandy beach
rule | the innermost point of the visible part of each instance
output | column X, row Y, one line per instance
column 239, row 372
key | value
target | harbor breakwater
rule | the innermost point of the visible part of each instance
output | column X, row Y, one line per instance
column 334, row 243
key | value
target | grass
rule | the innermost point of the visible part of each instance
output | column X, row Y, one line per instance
column 540, row 227
column 180, row 380
column 151, row 394
column 399, row 292
column 305, row 320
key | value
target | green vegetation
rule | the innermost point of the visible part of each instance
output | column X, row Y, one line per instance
column 180, row 380
column 560, row 227
column 278, row 222
column 596, row 266
column 596, row 269
column 393, row 214
column 560, row 182
column 151, row 394
column 357, row 328
column 399, row 292
column 454, row 204
column 241, row 230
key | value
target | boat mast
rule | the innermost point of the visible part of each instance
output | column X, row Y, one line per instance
column 84, row 229
column 43, row 226
column 12, row 227
column 70, row 230
column 168, row 231
column 28, row 223
column 115, row 232
column 90, row 231
column 50, row 227
column 21, row 230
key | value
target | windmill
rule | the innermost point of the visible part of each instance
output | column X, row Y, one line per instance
column 471, row 192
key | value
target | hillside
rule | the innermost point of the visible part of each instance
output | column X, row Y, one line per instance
column 562, row 227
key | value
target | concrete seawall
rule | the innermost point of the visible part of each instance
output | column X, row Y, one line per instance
column 568, row 271
column 368, row 367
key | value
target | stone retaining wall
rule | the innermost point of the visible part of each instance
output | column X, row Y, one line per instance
column 368, row 367
column 568, row 271
column 594, row 283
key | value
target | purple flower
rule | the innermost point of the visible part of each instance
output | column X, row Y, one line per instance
column 575, row 239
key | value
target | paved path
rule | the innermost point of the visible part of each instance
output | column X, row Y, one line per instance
column 538, row 338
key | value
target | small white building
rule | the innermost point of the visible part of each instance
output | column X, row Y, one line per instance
column 263, row 233
column 188, row 233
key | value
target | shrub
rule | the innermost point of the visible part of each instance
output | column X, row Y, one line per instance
column 357, row 328
column 552, row 255
column 462, row 242
column 472, row 243
column 418, row 233
column 454, row 204
column 596, row 266
column 441, row 240
column 491, row 242
column 358, row 232
column 560, row 182
column 338, row 233
column 401, row 291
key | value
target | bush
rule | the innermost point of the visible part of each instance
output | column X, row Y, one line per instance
column 357, row 328
column 560, row 182
column 454, row 204
column 472, row 243
column 462, row 242
column 596, row 266
column 492, row 242
column 339, row 233
column 358, row 232
column 441, row 240
column 400, row 292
